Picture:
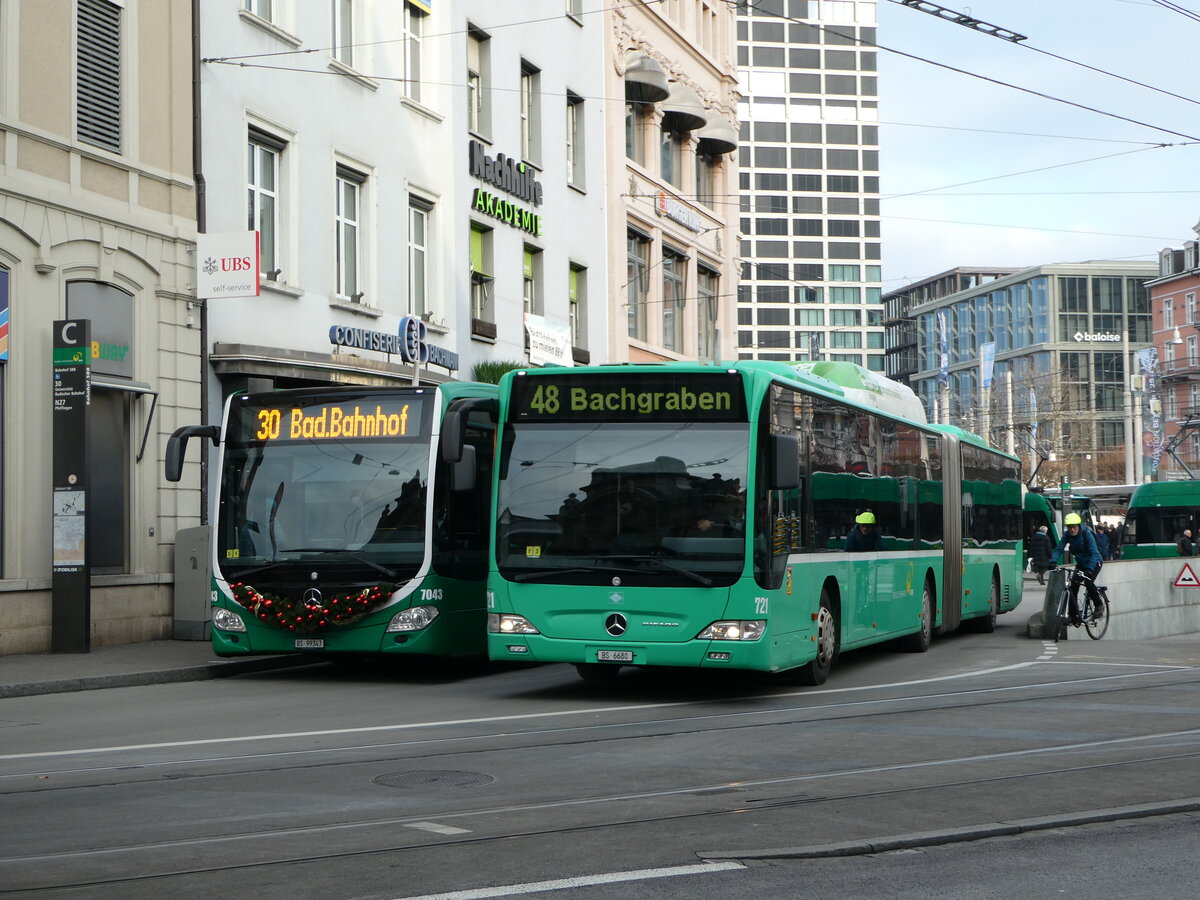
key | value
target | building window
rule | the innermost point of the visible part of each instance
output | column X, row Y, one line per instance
column 414, row 26
column 575, row 140
column 262, row 185
column 1168, row 312
column 577, row 305
column 707, row 282
column 1193, row 352
column 348, row 225
column 98, row 74
column 477, row 82
column 531, row 277
column 637, row 284
column 635, row 131
column 575, row 8
column 343, row 31
column 481, row 277
column 674, row 299
column 530, row 113
column 672, row 155
column 419, row 211
column 706, row 177
column 261, row 8
column 1191, row 308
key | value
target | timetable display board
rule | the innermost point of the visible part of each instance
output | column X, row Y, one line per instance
column 280, row 419
column 628, row 397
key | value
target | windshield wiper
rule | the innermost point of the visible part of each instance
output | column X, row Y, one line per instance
column 252, row 570
column 658, row 560
column 547, row 573
column 357, row 557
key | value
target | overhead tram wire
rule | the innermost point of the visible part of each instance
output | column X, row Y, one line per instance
column 1016, row 87
column 1028, row 171
column 1176, row 8
column 1012, row 37
column 487, row 28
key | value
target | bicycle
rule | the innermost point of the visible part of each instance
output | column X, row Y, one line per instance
column 1094, row 620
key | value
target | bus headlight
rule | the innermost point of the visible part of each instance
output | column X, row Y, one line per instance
column 226, row 620
column 417, row 618
column 503, row 623
column 742, row 630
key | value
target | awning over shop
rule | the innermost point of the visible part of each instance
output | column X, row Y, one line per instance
column 718, row 137
column 645, row 80
column 682, row 110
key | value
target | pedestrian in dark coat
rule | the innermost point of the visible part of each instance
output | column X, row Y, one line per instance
column 1187, row 547
column 1039, row 552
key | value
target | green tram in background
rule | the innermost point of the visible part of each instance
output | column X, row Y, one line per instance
column 341, row 528
column 697, row 516
column 1159, row 511
column 1046, row 508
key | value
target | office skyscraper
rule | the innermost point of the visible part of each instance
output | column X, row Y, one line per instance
column 809, row 191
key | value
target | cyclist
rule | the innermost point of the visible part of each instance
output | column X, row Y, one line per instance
column 1087, row 560
column 864, row 537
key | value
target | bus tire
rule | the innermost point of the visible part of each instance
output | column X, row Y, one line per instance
column 597, row 671
column 919, row 641
column 815, row 671
column 987, row 624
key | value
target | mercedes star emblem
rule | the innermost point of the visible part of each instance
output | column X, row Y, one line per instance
column 615, row 625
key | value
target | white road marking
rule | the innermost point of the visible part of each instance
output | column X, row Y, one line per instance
column 438, row 829
column 535, row 887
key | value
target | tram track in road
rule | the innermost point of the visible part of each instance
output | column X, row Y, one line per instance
column 235, row 845
column 566, row 736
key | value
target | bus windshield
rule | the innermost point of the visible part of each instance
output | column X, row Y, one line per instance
column 651, row 503
column 309, row 495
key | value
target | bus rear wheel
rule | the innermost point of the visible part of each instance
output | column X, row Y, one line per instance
column 919, row 641
column 987, row 624
column 597, row 671
column 815, row 671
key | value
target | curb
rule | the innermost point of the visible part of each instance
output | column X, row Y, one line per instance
column 203, row 672
column 962, row 835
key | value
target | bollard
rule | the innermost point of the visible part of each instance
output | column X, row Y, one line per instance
column 1051, row 623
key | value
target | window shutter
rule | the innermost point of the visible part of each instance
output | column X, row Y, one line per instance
column 98, row 74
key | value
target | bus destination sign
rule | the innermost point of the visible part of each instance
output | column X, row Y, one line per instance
column 369, row 418
column 629, row 397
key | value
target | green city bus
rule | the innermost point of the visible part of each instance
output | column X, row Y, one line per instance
column 1159, row 511
column 696, row 515
column 340, row 527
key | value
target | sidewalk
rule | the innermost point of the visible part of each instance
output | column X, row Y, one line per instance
column 150, row 662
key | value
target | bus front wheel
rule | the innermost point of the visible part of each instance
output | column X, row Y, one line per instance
column 817, row 670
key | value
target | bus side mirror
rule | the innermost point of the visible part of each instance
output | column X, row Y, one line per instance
column 462, row 473
column 455, row 422
column 177, row 446
column 784, row 462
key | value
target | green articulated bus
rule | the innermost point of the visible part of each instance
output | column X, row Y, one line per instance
column 341, row 528
column 1159, row 511
column 698, row 516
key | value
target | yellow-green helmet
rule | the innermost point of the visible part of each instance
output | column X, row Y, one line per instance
column 867, row 518
column 1072, row 519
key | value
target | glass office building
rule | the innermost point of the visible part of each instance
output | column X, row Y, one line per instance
column 1060, row 331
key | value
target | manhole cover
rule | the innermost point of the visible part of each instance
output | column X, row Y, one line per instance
column 433, row 778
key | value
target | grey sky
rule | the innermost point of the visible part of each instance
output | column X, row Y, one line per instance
column 1135, row 38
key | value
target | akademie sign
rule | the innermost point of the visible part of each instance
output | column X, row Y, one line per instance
column 227, row 265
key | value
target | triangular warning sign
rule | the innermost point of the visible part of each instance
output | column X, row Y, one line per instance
column 1187, row 578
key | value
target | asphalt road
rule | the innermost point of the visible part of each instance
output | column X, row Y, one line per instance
column 418, row 779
